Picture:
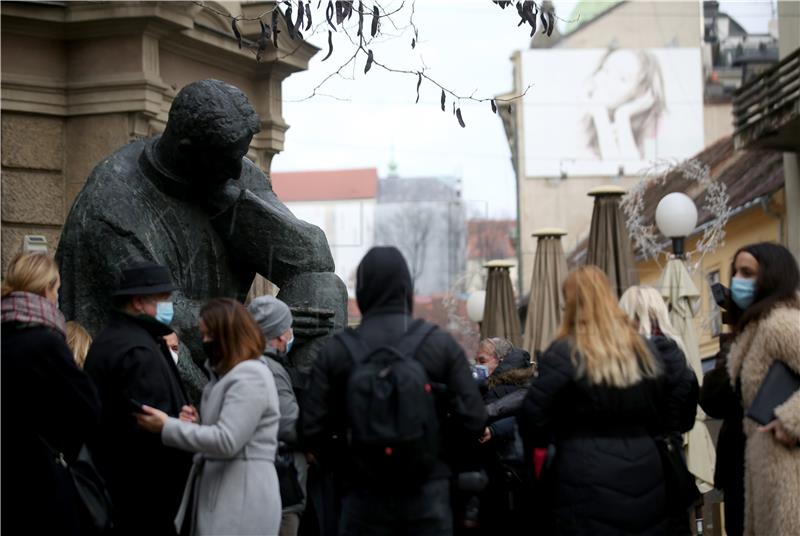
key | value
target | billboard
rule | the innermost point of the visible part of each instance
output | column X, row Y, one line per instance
column 596, row 112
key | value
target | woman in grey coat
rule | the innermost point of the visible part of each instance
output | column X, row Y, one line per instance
column 232, row 488
column 275, row 321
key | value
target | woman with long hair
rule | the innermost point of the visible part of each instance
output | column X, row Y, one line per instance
column 233, row 487
column 50, row 407
column 764, row 287
column 600, row 397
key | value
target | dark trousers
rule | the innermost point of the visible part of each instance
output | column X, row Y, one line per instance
column 424, row 511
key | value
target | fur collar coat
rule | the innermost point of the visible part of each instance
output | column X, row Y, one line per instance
column 772, row 471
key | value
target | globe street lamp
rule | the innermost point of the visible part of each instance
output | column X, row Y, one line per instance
column 475, row 305
column 676, row 218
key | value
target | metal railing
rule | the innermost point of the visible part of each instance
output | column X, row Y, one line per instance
column 769, row 101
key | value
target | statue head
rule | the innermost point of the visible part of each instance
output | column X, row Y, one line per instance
column 210, row 126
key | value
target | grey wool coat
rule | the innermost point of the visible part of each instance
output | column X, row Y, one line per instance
column 232, row 488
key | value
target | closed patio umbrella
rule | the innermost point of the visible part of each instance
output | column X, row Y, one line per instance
column 500, row 317
column 544, row 305
column 609, row 246
column 681, row 294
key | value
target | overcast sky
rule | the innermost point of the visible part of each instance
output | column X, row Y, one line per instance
column 466, row 46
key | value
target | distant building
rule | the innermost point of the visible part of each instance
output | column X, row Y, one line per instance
column 342, row 204
column 731, row 56
column 424, row 218
column 607, row 103
column 488, row 240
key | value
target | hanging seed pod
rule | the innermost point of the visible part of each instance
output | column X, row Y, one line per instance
column 308, row 16
column 329, row 14
column 298, row 25
column 370, row 59
column 419, row 83
column 460, row 119
column 494, row 106
column 375, row 19
column 330, row 45
column 236, row 33
column 443, row 98
column 263, row 41
column 360, row 19
column 275, row 29
column 552, row 19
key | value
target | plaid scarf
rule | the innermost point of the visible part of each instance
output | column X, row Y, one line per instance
column 32, row 309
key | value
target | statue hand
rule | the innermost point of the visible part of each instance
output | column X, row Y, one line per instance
column 219, row 200
column 310, row 322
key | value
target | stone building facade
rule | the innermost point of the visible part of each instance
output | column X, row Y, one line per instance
column 81, row 79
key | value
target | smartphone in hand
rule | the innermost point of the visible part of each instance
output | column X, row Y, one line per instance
column 135, row 405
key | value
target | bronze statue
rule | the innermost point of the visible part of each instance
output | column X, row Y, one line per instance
column 191, row 201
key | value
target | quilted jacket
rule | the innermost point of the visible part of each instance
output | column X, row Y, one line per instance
column 607, row 473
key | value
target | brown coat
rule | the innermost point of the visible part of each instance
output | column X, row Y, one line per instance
column 772, row 471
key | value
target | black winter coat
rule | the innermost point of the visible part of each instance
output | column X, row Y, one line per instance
column 44, row 394
column 607, row 471
column 720, row 401
column 129, row 360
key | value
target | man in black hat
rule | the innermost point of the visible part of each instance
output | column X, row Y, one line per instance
column 130, row 361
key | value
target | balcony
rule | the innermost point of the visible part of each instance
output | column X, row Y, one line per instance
column 766, row 110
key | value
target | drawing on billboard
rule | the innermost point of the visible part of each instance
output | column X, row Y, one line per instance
column 597, row 111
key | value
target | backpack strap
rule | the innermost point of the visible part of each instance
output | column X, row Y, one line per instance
column 354, row 345
column 413, row 338
column 408, row 345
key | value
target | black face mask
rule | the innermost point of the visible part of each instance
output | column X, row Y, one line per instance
column 213, row 353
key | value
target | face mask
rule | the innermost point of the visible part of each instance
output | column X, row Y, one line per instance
column 164, row 312
column 174, row 355
column 289, row 344
column 743, row 292
column 211, row 349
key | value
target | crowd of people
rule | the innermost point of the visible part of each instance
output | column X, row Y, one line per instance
column 394, row 431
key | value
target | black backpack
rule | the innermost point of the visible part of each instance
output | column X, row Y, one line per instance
column 391, row 411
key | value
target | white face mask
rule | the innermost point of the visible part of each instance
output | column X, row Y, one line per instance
column 174, row 355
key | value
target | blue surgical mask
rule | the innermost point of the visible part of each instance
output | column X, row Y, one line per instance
column 164, row 312
column 289, row 343
column 743, row 292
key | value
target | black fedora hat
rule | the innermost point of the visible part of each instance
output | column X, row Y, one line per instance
column 144, row 278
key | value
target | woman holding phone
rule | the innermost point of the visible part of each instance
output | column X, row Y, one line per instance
column 233, row 487
column 765, row 286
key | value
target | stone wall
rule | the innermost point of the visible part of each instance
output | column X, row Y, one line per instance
column 33, row 200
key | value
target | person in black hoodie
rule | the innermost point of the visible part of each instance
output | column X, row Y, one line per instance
column 385, row 296
column 50, row 407
column 130, row 361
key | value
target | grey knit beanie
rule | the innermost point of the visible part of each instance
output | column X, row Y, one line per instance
column 271, row 315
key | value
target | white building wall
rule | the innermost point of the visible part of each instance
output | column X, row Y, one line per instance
column 348, row 224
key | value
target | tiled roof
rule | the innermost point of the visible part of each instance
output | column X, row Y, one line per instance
column 327, row 185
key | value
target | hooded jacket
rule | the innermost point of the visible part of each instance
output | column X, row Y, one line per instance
column 384, row 292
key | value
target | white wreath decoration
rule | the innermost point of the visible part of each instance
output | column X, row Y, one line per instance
column 647, row 239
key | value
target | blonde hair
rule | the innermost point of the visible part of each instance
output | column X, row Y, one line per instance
column 78, row 340
column 605, row 347
column 30, row 272
column 646, row 306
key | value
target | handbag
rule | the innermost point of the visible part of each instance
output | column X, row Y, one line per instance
column 681, row 487
column 91, row 488
column 288, row 481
